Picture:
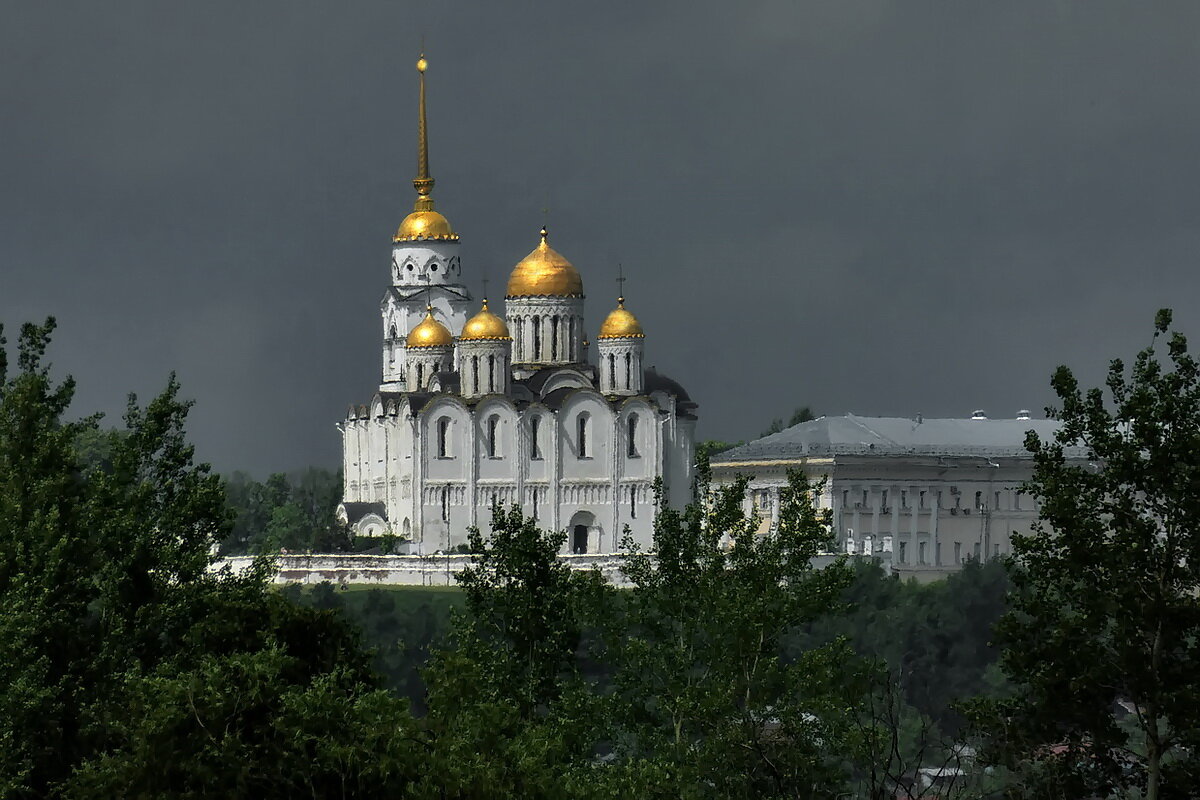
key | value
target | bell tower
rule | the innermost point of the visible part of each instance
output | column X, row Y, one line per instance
column 425, row 269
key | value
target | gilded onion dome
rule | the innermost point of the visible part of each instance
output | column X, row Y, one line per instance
column 484, row 325
column 544, row 273
column 621, row 324
column 424, row 225
column 429, row 333
column 423, row 222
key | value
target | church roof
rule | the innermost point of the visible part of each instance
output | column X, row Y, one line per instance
column 655, row 381
column 621, row 324
column 897, row 436
column 429, row 333
column 544, row 273
column 525, row 392
column 555, row 399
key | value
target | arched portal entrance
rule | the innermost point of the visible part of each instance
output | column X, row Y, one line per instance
column 583, row 535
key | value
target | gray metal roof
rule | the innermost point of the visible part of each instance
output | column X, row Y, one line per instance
column 853, row 435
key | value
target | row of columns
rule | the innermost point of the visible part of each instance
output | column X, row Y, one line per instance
column 552, row 338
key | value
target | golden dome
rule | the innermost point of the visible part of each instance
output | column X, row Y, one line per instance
column 544, row 273
column 484, row 325
column 424, row 224
column 620, row 324
column 430, row 333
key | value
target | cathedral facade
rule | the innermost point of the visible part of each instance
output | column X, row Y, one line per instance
column 477, row 408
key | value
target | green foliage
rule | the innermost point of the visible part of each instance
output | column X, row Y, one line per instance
column 801, row 414
column 401, row 625
column 294, row 513
column 703, row 692
column 127, row 667
column 509, row 714
column 933, row 639
column 1106, row 605
column 711, row 447
column 730, row 668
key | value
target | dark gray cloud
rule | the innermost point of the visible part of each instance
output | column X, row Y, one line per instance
column 878, row 207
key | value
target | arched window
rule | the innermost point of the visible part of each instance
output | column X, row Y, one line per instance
column 628, row 370
column 581, row 433
column 443, row 437
column 535, row 445
column 612, row 370
column 631, row 425
column 554, row 338
column 491, row 373
column 420, row 376
column 392, row 332
column 475, row 374
column 445, row 504
column 569, row 347
column 493, row 425
column 537, row 338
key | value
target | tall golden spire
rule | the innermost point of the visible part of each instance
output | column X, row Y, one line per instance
column 423, row 183
column 423, row 222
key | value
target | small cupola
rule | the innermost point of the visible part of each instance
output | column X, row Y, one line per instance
column 484, row 326
column 429, row 333
column 621, row 324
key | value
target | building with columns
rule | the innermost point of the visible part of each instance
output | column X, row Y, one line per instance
column 476, row 408
column 923, row 494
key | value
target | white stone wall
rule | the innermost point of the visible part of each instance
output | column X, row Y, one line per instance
column 396, row 570
column 434, row 494
column 620, row 366
column 483, row 367
column 546, row 330
column 425, row 263
column 928, row 515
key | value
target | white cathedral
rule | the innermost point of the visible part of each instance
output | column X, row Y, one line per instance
column 475, row 409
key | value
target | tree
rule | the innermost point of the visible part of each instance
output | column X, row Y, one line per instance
column 290, row 512
column 801, row 414
column 509, row 714
column 128, row 667
column 1106, row 606
column 705, row 701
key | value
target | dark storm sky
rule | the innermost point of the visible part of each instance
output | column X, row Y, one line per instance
column 878, row 207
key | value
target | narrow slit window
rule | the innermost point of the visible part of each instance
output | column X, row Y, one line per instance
column 443, row 435
column 493, row 425
column 535, row 446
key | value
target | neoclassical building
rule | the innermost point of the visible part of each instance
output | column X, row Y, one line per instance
column 475, row 408
column 925, row 495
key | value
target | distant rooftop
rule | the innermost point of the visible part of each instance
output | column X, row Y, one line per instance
column 854, row 435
